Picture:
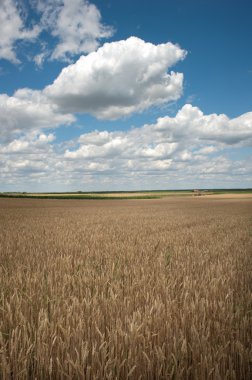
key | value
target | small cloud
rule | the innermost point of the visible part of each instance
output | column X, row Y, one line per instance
column 28, row 110
column 207, row 150
column 76, row 25
column 12, row 29
column 191, row 98
column 40, row 58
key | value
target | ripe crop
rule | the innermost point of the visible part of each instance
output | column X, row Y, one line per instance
column 125, row 289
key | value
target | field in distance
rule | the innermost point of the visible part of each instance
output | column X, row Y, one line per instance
column 151, row 194
column 102, row 195
column 126, row 289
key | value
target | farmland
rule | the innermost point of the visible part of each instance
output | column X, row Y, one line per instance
column 126, row 289
column 148, row 194
column 99, row 195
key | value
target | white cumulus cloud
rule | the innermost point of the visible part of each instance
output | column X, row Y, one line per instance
column 12, row 29
column 188, row 144
column 75, row 24
column 187, row 150
column 191, row 124
column 119, row 78
column 28, row 110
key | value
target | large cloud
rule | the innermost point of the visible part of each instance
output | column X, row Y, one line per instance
column 118, row 79
column 12, row 29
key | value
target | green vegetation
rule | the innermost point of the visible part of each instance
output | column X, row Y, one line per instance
column 142, row 194
column 75, row 196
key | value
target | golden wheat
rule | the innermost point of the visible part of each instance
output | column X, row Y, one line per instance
column 150, row 289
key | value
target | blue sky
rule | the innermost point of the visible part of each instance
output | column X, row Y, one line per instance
column 153, row 95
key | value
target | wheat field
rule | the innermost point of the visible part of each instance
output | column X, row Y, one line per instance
column 126, row 289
